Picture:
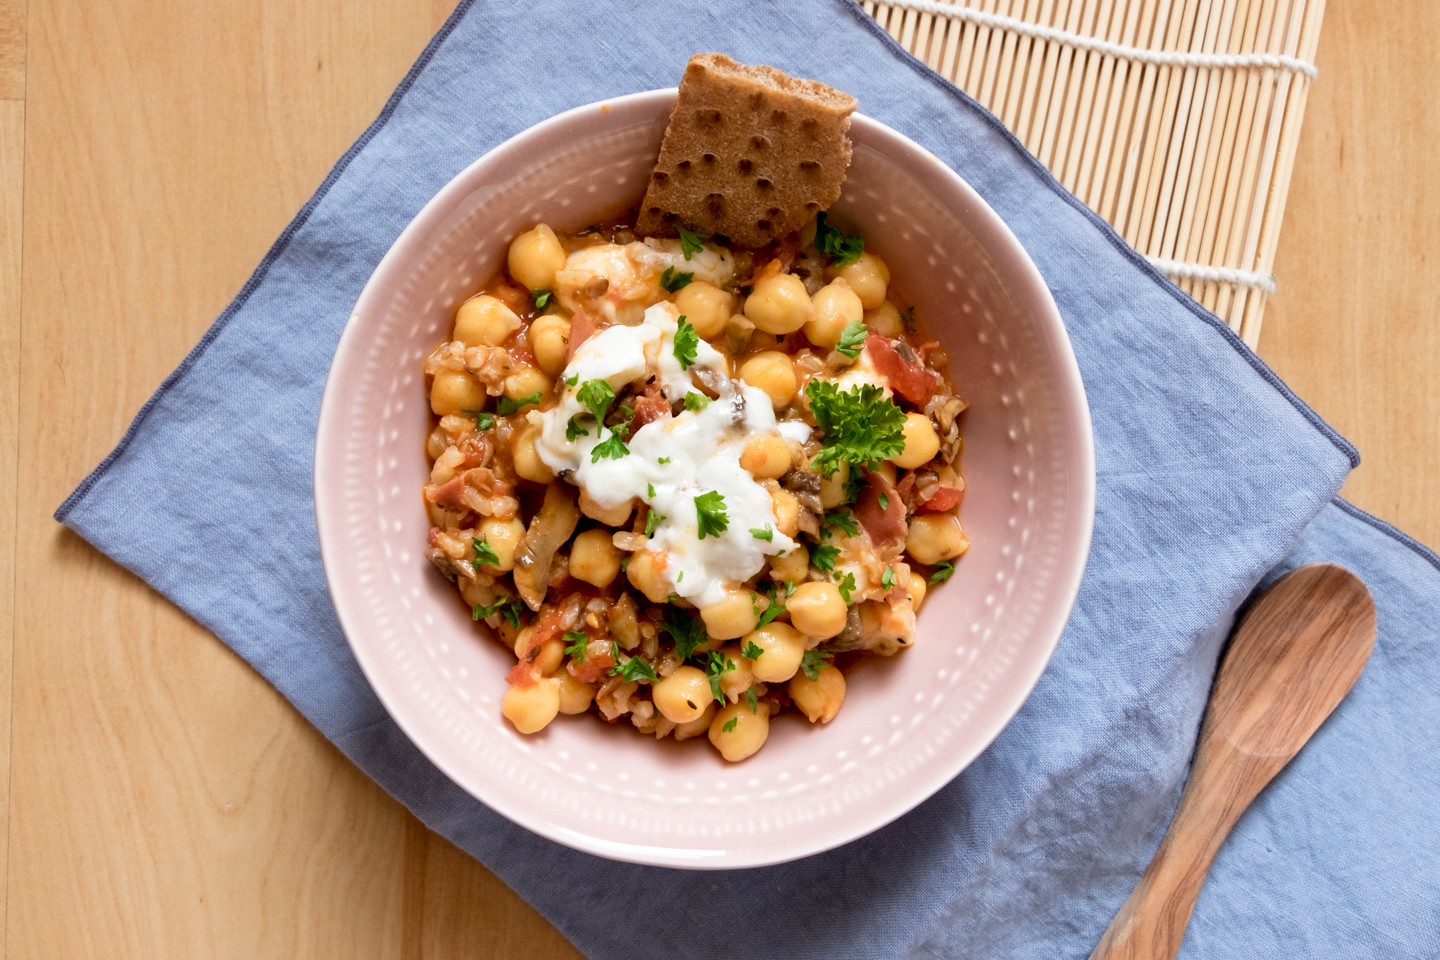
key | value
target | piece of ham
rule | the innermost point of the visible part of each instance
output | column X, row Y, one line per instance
column 648, row 410
column 582, row 328
column 885, row 524
column 906, row 377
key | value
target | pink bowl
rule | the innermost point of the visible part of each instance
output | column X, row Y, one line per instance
column 909, row 724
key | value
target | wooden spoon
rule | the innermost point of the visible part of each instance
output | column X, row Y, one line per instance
column 1294, row 656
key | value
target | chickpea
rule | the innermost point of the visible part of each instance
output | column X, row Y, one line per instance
column 646, row 573
column 868, row 277
column 779, row 304
column 794, row 566
column 783, row 648
column 454, row 391
column 575, row 695
column 610, row 516
column 534, row 257
column 921, row 442
column 484, row 321
column 593, row 558
column 531, row 708
column 773, row 373
column 816, row 609
column 705, row 307
column 524, row 381
column 832, row 488
column 787, row 512
column 683, row 696
column 766, row 456
column 550, row 342
column 528, row 465
column 738, row 676
column 836, row 307
column 550, row 656
column 934, row 537
column 819, row 699
column 521, row 641
column 885, row 320
column 916, row 587
column 503, row 536
column 684, row 731
column 732, row 617
column 747, row 734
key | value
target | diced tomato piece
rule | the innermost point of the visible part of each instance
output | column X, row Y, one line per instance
column 886, row 525
column 582, row 328
column 521, row 675
column 943, row 499
column 906, row 377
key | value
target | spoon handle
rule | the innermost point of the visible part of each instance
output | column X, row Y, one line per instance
column 1151, row 924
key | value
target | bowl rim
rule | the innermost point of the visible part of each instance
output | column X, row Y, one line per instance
column 1021, row 677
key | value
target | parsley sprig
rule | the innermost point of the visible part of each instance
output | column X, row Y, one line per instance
column 483, row 420
column 633, row 669
column 687, row 344
column 695, row 402
column 575, row 644
column 506, row 406
column 690, row 242
column 652, row 522
column 846, row 586
column 717, row 664
column 812, row 661
column 823, row 556
column 673, row 281
column 852, row 339
column 860, row 426
column 843, row 521
column 710, row 514
column 942, row 572
column 751, row 650
column 541, row 298
column 841, row 247
column 685, row 629
column 508, row 608
column 484, row 553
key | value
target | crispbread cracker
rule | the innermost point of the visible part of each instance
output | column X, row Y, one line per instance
column 750, row 153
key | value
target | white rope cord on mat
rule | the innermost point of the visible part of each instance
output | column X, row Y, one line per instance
column 1253, row 279
column 1163, row 58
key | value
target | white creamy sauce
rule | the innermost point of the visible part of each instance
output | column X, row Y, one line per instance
column 863, row 371
column 701, row 450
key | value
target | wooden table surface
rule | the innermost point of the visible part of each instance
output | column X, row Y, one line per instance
column 157, row 798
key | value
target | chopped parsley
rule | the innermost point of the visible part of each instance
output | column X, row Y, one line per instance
column 710, row 514
column 631, row 670
column 596, row 396
column 507, row 608
column 887, row 580
column 573, row 430
column 508, row 406
column 841, row 247
column 687, row 344
column 575, row 644
column 573, row 379
column 690, row 242
column 695, row 402
column 842, row 520
column 884, row 501
column 823, row 556
column 484, row 553
column 777, row 605
column 751, row 650
column 812, row 662
column 541, row 298
column 674, row 281
column 751, row 700
column 768, row 534
column 613, row 447
column 942, row 572
column 729, row 725
column 483, row 420
column 847, row 586
column 852, row 339
column 685, row 629
column 650, row 490
column 861, row 426
column 653, row 521
column 716, row 663
column 663, row 460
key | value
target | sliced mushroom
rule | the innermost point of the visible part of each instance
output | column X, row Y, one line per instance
column 548, row 531
column 850, row 638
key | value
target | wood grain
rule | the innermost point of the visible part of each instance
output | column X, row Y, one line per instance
column 12, row 171
column 156, row 781
column 1355, row 327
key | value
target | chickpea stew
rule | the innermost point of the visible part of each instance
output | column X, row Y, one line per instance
column 687, row 482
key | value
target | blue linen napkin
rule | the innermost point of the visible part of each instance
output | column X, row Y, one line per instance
column 1211, row 477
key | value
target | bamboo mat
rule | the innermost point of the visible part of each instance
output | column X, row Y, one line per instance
column 1176, row 120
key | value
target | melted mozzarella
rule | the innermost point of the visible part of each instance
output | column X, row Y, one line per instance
column 701, row 450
